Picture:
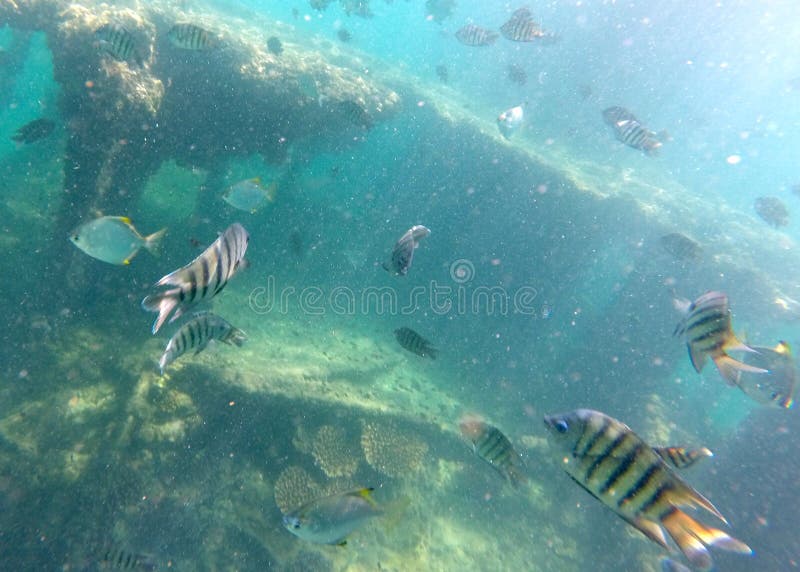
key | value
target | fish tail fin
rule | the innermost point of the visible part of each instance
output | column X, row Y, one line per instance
column 153, row 242
column 272, row 192
column 517, row 477
column 432, row 352
column 163, row 303
column 697, row 357
column 692, row 538
column 730, row 368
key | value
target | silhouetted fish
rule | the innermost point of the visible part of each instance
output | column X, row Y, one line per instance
column 516, row 74
column 34, row 131
column 355, row 113
column 274, row 45
column 681, row 246
column 416, row 344
column 472, row 35
column 772, row 210
column 441, row 73
column 344, row 35
column 403, row 252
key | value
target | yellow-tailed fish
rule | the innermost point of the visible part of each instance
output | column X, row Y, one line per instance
column 776, row 387
column 249, row 195
column 197, row 333
column 330, row 519
column 113, row 239
column 491, row 445
column 201, row 279
column 708, row 331
column 623, row 472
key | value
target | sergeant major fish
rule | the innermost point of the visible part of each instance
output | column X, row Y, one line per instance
column 489, row 443
column 113, row 239
column 510, row 120
column 403, row 252
column 250, row 195
column 708, row 331
column 118, row 558
column 619, row 469
column 472, row 35
column 201, row 279
column 416, row 344
column 630, row 131
column 191, row 37
column 329, row 520
column 197, row 333
column 118, row 42
column 521, row 28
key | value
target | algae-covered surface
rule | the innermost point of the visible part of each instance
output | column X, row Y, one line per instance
column 544, row 284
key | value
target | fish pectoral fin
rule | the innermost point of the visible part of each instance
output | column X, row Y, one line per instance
column 698, row 358
column 730, row 368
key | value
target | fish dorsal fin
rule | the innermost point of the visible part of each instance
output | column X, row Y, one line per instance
column 684, row 495
column 680, row 457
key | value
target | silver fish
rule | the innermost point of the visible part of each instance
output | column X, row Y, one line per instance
column 489, row 443
column 201, row 279
column 250, row 195
column 113, row 239
column 403, row 251
column 196, row 335
column 510, row 120
column 329, row 520
column 191, row 37
column 776, row 387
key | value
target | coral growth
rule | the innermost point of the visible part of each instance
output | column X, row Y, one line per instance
column 332, row 452
column 391, row 451
column 293, row 488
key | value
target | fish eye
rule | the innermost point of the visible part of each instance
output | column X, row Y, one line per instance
column 561, row 426
column 75, row 238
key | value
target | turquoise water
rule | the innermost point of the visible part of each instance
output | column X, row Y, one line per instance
column 543, row 283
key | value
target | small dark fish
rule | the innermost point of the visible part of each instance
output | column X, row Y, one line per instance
column 196, row 335
column 708, row 331
column 320, row 5
column 489, row 443
column 296, row 243
column 274, row 45
column 355, row 114
column 295, row 13
column 521, row 27
column 472, row 35
column 191, row 37
column 329, row 520
column 585, row 91
column 772, row 210
column 116, row 558
column 516, row 74
column 620, row 470
column 681, row 457
column 441, row 73
column 416, row 344
column 439, row 10
column 118, row 42
column 776, row 387
column 403, row 251
column 34, row 131
column 201, row 279
column 630, row 131
column 681, row 246
column 344, row 35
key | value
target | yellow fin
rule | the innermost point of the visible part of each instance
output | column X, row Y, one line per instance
column 272, row 192
column 783, row 348
column 126, row 220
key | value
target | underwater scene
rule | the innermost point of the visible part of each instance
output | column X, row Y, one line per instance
column 394, row 285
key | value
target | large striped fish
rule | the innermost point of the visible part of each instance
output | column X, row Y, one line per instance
column 115, row 40
column 522, row 28
column 489, row 443
column 196, row 335
column 415, row 343
column 472, row 35
column 630, row 131
column 201, row 279
column 618, row 468
column 708, row 331
column 191, row 37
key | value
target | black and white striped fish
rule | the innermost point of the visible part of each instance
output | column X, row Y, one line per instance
column 196, row 335
column 416, row 344
column 681, row 457
column 619, row 469
column 522, row 28
column 201, row 279
column 118, row 42
column 708, row 331
column 191, row 37
column 403, row 252
column 489, row 443
column 630, row 131
column 472, row 35
column 118, row 558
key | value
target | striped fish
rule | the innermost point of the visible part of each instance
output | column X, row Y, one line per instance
column 116, row 558
column 191, row 37
column 618, row 468
column 708, row 331
column 681, row 457
column 521, row 27
column 403, row 251
column 196, row 335
column 489, row 443
column 630, row 131
column 201, row 279
column 118, row 42
column 472, row 35
column 416, row 344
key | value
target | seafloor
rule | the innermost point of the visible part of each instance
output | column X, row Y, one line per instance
column 196, row 466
